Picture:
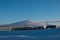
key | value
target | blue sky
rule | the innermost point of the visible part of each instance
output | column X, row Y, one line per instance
column 38, row 10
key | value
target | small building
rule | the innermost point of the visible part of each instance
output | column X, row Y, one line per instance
column 39, row 27
column 51, row 26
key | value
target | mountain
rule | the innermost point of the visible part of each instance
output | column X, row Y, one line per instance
column 26, row 23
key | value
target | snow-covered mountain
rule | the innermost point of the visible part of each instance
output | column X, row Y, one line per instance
column 26, row 23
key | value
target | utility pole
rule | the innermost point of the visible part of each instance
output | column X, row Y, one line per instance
column 46, row 23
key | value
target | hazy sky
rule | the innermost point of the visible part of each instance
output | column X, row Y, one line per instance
column 38, row 10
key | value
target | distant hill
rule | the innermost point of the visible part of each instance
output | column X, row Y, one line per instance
column 26, row 23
